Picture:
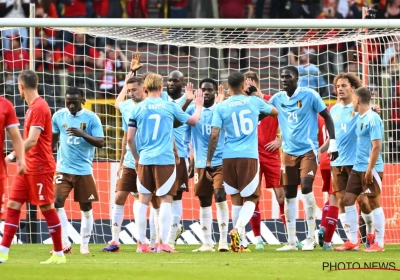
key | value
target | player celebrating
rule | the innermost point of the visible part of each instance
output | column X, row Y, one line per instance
column 298, row 107
column 9, row 121
column 153, row 119
column 36, row 185
column 270, row 161
column 174, row 89
column 366, row 175
column 80, row 131
column 204, row 187
column 239, row 116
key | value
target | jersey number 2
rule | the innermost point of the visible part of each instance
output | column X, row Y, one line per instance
column 246, row 124
column 157, row 119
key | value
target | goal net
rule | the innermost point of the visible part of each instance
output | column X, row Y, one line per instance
column 94, row 55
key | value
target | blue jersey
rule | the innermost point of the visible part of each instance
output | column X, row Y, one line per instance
column 345, row 122
column 154, row 119
column 298, row 119
column 238, row 116
column 75, row 155
column 369, row 128
column 200, row 134
column 129, row 160
column 124, row 104
column 182, row 142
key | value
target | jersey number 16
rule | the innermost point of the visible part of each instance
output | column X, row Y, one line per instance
column 246, row 124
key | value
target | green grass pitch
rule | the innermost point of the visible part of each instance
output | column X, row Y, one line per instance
column 24, row 261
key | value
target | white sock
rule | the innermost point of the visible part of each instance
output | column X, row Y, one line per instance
column 206, row 224
column 290, row 213
column 141, row 221
column 235, row 213
column 165, row 221
column 176, row 210
column 4, row 250
column 116, row 220
column 342, row 218
column 259, row 239
column 223, row 220
column 369, row 220
column 86, row 227
column 136, row 203
column 157, row 224
column 244, row 218
column 309, row 207
column 59, row 253
column 351, row 223
column 379, row 222
column 64, row 225
column 152, row 225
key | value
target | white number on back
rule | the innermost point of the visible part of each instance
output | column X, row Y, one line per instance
column 72, row 140
column 58, row 178
column 196, row 178
column 246, row 124
column 343, row 126
column 292, row 117
column 206, row 129
column 157, row 118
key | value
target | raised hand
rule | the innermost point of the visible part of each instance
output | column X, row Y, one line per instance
column 135, row 62
column 199, row 98
column 189, row 91
column 221, row 94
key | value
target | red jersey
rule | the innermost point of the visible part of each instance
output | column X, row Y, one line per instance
column 267, row 131
column 325, row 162
column 39, row 159
column 16, row 60
column 233, row 8
column 8, row 119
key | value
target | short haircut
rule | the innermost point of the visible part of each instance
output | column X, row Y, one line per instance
column 29, row 78
column 252, row 75
column 235, row 80
column 153, row 82
column 135, row 79
column 364, row 94
column 292, row 69
column 211, row 81
column 145, row 75
column 74, row 90
column 351, row 77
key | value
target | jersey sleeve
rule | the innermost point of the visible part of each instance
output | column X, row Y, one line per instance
column 122, row 105
column 179, row 114
column 217, row 117
column 133, row 118
column 375, row 128
column 318, row 103
column 56, row 129
column 11, row 117
column 97, row 128
column 164, row 96
column 273, row 99
column 190, row 110
column 124, row 125
column 38, row 116
column 264, row 107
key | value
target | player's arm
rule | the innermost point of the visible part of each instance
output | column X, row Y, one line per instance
column 376, row 140
column 189, row 96
column 332, row 150
column 131, row 139
column 177, row 158
column 54, row 141
column 123, row 149
column 212, row 143
column 198, row 101
column 18, row 146
column 97, row 142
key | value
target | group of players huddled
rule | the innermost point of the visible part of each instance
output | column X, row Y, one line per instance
column 227, row 143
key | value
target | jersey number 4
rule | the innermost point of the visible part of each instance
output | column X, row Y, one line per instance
column 157, row 119
column 246, row 124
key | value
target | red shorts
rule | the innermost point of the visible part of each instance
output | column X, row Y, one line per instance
column 327, row 181
column 2, row 187
column 272, row 173
column 36, row 189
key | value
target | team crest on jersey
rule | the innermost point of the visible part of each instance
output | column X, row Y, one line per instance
column 299, row 104
column 353, row 114
column 65, row 126
column 361, row 126
column 83, row 126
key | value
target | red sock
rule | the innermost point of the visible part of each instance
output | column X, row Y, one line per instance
column 10, row 227
column 325, row 210
column 331, row 222
column 282, row 211
column 255, row 221
column 54, row 226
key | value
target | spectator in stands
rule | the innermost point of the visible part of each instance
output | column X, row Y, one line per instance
column 391, row 56
column 13, row 9
column 138, row 9
column 235, row 9
column 350, row 9
column 309, row 74
column 391, row 11
column 47, row 57
column 46, row 9
column 303, row 8
column 115, row 66
column 72, row 9
column 394, row 132
column 15, row 59
column 81, row 60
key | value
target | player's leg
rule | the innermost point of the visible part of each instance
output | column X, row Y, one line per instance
column 2, row 184
column 164, row 178
column 204, row 191
column 368, row 217
column 222, row 214
column 374, row 199
column 290, row 180
column 182, row 185
column 154, row 223
column 85, row 193
column 308, row 169
column 255, row 220
column 18, row 196
column 42, row 194
column 62, row 188
column 353, row 190
column 146, row 187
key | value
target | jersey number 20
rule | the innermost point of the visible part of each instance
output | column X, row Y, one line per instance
column 246, row 124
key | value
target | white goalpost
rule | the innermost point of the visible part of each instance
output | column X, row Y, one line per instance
column 94, row 55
